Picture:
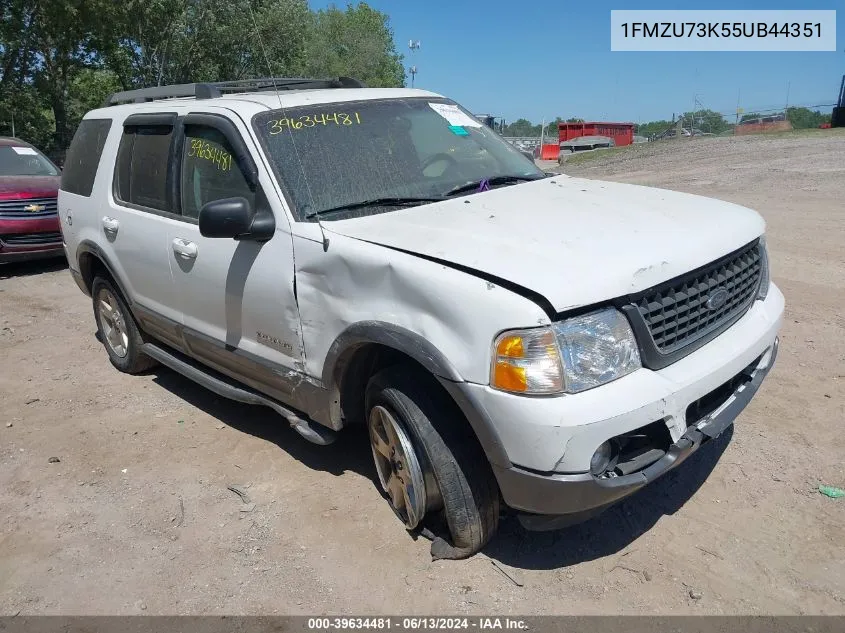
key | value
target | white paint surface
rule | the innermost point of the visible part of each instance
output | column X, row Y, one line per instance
column 575, row 242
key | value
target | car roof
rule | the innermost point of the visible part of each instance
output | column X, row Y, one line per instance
column 250, row 103
column 6, row 141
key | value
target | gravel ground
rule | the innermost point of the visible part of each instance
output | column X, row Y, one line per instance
column 136, row 517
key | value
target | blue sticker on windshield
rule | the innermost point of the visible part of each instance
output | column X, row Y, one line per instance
column 458, row 130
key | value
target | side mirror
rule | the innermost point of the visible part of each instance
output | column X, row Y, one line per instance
column 528, row 154
column 229, row 217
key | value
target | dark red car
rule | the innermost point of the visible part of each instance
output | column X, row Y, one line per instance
column 29, row 184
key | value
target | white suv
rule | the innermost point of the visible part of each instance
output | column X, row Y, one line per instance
column 353, row 256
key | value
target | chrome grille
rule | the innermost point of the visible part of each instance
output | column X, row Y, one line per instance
column 677, row 313
column 19, row 208
column 23, row 239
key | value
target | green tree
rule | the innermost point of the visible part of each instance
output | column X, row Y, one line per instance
column 60, row 58
column 88, row 91
column 17, row 31
column 356, row 42
column 706, row 121
column 522, row 127
column 184, row 41
column 23, row 113
column 652, row 128
column 804, row 118
column 45, row 45
column 750, row 116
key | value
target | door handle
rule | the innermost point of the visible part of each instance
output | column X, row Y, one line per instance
column 184, row 248
column 110, row 225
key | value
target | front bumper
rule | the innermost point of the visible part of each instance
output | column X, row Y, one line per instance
column 540, row 447
column 552, row 500
column 23, row 239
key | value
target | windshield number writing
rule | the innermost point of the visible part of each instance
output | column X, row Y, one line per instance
column 276, row 126
column 205, row 151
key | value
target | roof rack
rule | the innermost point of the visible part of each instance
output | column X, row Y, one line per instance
column 220, row 88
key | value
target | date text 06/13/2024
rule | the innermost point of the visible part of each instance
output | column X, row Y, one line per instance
column 415, row 623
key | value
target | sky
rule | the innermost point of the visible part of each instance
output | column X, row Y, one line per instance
column 547, row 58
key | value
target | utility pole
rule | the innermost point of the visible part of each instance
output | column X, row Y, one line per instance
column 694, row 103
column 786, row 109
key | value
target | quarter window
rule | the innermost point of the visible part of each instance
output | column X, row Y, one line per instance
column 209, row 170
column 83, row 157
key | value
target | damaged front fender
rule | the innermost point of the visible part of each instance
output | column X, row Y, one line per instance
column 356, row 292
column 452, row 316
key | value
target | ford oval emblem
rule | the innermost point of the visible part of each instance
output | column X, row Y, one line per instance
column 717, row 299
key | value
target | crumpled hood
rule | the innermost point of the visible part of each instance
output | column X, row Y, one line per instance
column 574, row 241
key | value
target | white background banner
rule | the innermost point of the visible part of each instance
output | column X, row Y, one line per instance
column 722, row 30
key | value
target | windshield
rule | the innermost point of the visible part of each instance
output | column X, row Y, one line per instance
column 24, row 161
column 333, row 155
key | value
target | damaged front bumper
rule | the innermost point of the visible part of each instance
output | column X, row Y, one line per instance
column 547, row 502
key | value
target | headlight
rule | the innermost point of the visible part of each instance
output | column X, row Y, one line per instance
column 765, row 279
column 573, row 355
column 596, row 348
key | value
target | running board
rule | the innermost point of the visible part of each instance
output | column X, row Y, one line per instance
column 228, row 388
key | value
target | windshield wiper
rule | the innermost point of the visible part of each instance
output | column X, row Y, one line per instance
column 477, row 185
column 375, row 202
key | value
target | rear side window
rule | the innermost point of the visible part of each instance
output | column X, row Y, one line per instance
column 141, row 171
column 83, row 156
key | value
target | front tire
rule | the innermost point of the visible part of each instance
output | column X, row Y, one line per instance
column 117, row 330
column 428, row 461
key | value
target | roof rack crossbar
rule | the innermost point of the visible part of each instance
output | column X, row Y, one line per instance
column 218, row 89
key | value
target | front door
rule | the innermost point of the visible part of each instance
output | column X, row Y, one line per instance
column 236, row 297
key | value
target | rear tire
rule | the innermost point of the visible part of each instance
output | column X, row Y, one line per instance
column 117, row 330
column 448, row 453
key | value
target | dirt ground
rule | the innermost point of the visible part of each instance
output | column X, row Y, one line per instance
column 136, row 516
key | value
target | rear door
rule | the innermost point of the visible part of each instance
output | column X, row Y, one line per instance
column 138, row 219
column 237, row 298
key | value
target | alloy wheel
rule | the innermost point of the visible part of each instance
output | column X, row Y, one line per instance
column 399, row 470
column 113, row 323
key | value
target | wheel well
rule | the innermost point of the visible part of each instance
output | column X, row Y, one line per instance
column 91, row 266
column 355, row 368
